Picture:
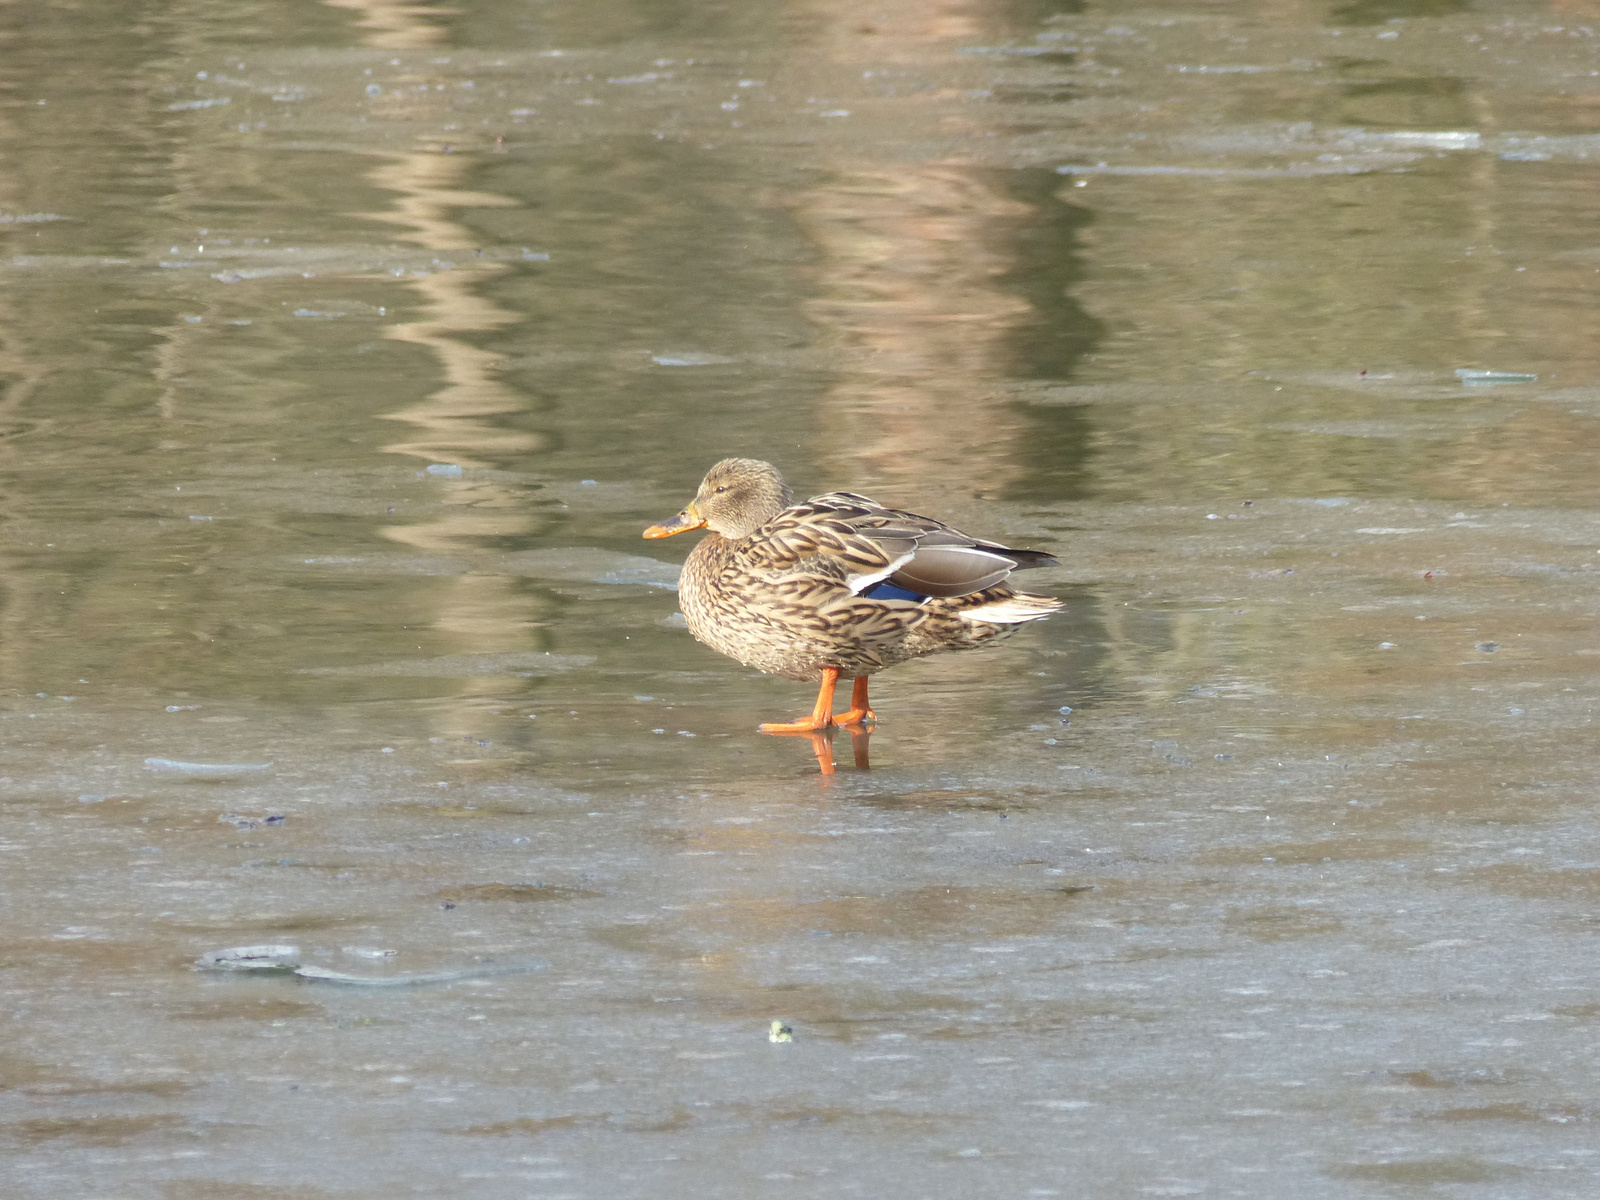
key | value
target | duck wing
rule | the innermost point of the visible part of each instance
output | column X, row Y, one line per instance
column 942, row 561
column 829, row 544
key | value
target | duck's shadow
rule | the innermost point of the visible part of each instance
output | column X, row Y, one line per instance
column 822, row 744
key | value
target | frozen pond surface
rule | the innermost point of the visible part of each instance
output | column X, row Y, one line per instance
column 348, row 347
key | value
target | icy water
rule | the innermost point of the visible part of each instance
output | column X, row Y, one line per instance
column 346, row 350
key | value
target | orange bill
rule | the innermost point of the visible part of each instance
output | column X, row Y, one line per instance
column 682, row 523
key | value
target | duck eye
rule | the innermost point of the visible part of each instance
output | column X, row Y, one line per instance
column 722, row 489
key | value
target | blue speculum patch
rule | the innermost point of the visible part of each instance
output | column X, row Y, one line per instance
column 889, row 591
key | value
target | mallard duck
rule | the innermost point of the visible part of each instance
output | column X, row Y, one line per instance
column 837, row 585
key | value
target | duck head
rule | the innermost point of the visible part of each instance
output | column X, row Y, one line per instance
column 736, row 497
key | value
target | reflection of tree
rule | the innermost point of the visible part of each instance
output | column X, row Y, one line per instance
column 452, row 420
column 396, row 24
column 945, row 282
column 935, row 277
column 455, row 424
column 908, row 285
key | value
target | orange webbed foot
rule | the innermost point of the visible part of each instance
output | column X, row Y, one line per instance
column 804, row 725
column 821, row 716
column 860, row 710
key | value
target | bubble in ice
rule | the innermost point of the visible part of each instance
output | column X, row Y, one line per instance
column 688, row 358
column 1470, row 376
column 202, row 769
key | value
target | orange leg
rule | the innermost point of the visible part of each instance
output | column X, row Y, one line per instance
column 822, row 747
column 860, row 736
column 860, row 710
column 821, row 716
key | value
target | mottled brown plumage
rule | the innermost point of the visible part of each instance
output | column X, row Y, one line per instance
column 838, row 584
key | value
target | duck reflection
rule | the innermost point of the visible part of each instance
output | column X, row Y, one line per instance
column 822, row 744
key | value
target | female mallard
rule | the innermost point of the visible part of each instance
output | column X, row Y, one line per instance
column 837, row 585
